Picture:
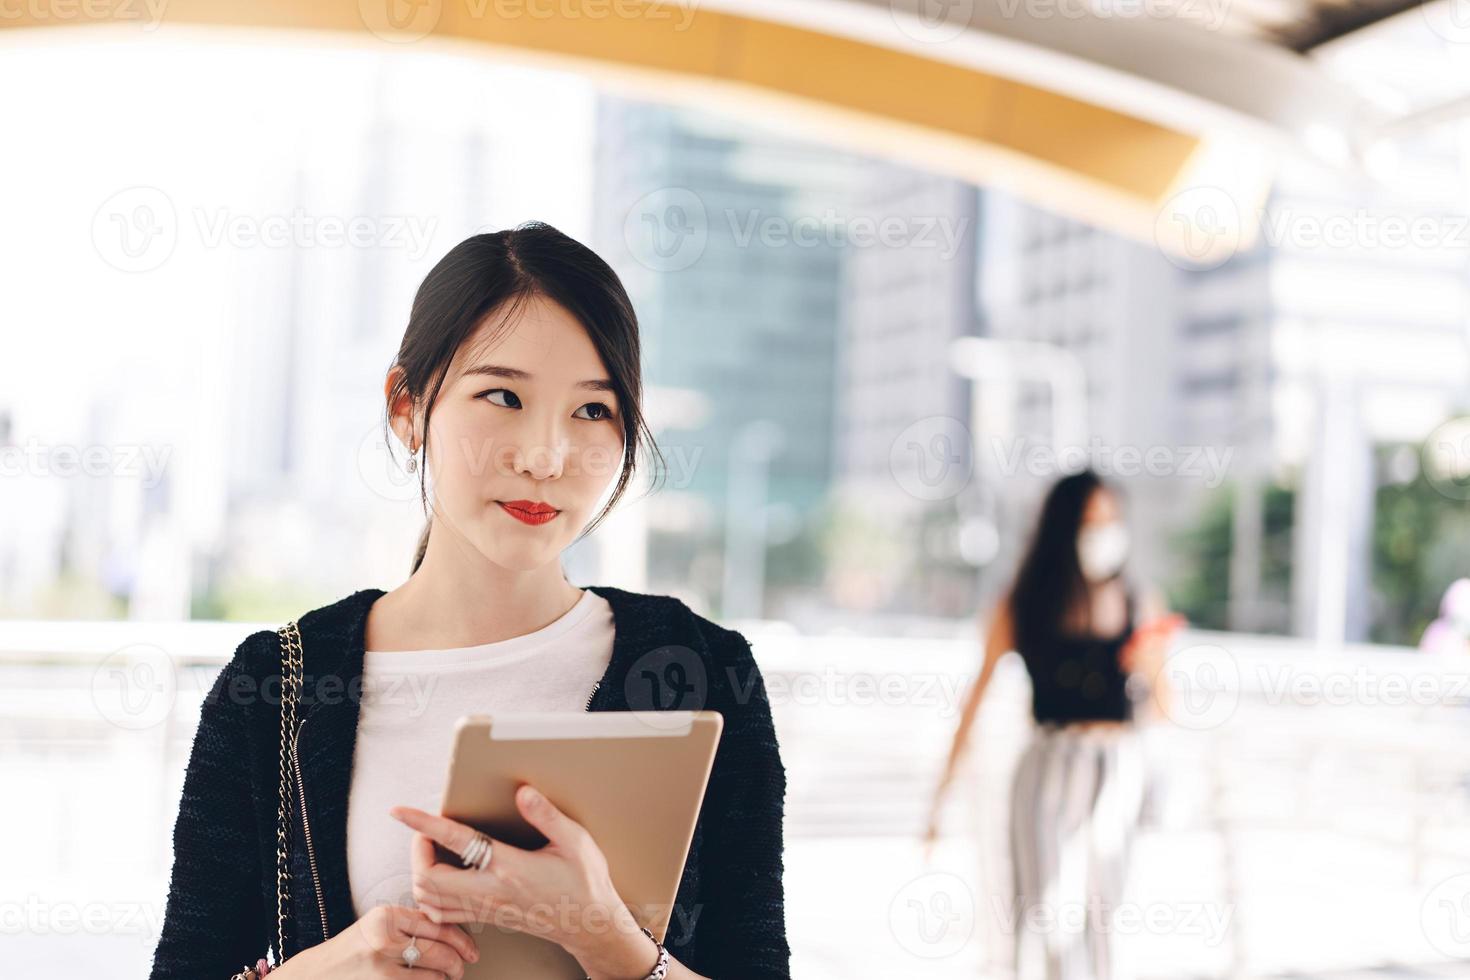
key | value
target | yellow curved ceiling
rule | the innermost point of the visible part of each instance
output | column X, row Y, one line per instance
column 1065, row 153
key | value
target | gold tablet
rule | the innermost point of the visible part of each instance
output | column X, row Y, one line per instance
column 634, row 779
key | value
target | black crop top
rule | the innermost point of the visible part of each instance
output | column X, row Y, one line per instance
column 1079, row 678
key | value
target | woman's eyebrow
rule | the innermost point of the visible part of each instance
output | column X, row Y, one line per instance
column 516, row 374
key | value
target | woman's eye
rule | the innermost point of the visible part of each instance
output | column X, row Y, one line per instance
column 505, row 393
column 603, row 411
column 506, row 398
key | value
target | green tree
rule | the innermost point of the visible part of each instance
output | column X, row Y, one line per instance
column 1201, row 587
column 1421, row 543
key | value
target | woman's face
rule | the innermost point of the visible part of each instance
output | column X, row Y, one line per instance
column 1101, row 508
column 1102, row 540
column 531, row 419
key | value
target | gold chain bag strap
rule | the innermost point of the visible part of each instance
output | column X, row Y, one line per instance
column 290, row 694
column 291, row 651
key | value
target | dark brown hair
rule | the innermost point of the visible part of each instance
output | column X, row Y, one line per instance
column 502, row 270
column 1049, row 582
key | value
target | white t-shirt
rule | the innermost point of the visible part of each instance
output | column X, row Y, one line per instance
column 411, row 701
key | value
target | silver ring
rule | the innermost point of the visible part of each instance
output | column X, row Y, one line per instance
column 477, row 853
column 411, row 953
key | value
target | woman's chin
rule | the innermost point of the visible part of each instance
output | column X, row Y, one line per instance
column 515, row 546
column 524, row 556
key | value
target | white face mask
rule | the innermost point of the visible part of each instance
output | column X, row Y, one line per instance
column 1102, row 549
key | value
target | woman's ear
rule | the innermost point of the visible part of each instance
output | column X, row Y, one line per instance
column 402, row 413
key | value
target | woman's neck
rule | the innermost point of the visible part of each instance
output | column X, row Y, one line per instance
column 1101, row 611
column 448, row 603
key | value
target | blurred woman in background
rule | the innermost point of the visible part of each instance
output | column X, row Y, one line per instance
column 1075, row 620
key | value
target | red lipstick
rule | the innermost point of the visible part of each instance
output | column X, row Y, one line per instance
column 528, row 511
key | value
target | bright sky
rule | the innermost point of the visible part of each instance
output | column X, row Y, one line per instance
column 224, row 130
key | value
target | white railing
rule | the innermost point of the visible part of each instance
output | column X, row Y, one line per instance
column 1331, row 792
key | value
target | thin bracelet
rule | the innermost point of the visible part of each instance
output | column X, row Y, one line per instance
column 661, row 967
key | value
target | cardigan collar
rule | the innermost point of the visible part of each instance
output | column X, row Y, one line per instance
column 333, row 645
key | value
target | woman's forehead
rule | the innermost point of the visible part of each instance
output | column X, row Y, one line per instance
column 540, row 338
column 1100, row 506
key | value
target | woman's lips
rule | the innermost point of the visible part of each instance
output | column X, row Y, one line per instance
column 527, row 516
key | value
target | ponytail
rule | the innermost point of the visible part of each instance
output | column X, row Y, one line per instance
column 418, row 558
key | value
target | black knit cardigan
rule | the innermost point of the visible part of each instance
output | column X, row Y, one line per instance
column 729, row 919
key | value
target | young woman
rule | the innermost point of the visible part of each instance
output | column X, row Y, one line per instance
column 517, row 387
column 1078, row 786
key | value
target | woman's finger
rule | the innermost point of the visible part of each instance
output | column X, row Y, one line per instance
column 453, row 916
column 434, row 956
column 421, row 858
column 449, row 885
column 451, row 833
column 422, row 926
column 548, row 818
column 466, row 906
column 423, row 865
column 445, row 887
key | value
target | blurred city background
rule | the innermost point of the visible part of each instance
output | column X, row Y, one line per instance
column 862, row 374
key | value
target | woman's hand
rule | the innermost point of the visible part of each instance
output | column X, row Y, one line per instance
column 561, row 892
column 1145, row 655
column 936, row 810
column 373, row 947
column 931, row 833
column 1145, row 649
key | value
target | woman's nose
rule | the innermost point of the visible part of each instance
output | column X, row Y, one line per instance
column 541, row 459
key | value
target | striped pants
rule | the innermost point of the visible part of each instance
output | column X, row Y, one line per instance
column 1075, row 802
